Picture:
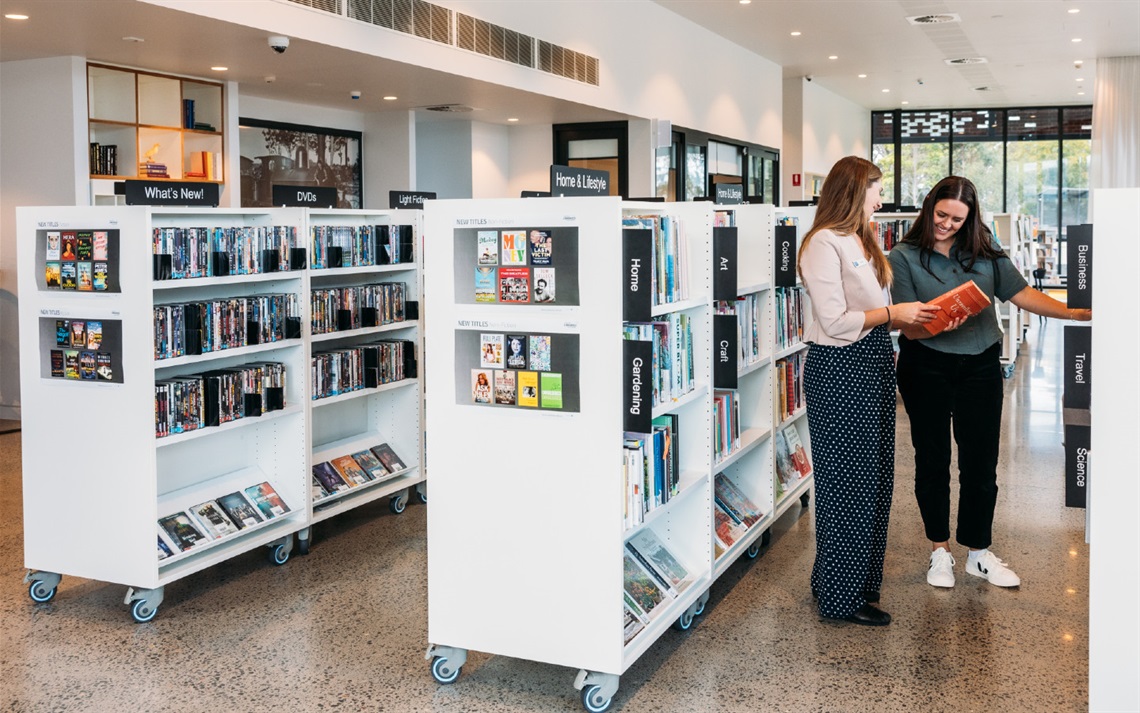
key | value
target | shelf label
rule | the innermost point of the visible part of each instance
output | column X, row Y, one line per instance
column 409, row 199
column 729, row 193
column 304, row 196
column 725, row 349
column 184, row 193
column 785, row 256
column 1078, row 367
column 637, row 385
column 724, row 264
column 1077, row 443
column 637, row 276
column 568, row 181
column 1079, row 287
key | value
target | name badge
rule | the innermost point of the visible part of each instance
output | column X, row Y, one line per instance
column 858, row 263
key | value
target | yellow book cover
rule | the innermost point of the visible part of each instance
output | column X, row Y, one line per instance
column 528, row 388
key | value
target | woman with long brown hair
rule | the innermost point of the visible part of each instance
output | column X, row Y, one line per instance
column 849, row 382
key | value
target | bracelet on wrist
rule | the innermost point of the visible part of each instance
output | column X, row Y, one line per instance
column 888, row 308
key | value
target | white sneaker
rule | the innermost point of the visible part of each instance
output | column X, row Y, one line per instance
column 941, row 572
column 986, row 564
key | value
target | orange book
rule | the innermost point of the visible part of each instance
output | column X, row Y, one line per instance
column 963, row 301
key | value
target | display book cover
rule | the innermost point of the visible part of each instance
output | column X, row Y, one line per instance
column 965, row 300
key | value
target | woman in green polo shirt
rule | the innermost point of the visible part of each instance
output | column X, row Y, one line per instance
column 952, row 382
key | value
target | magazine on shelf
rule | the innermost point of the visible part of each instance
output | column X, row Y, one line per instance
column 544, row 285
column 487, row 248
column 317, row 490
column 514, row 285
column 514, row 247
column 164, row 549
column 528, row 388
column 491, row 351
column 796, row 448
column 349, row 471
column 330, row 480
column 516, row 348
column 728, row 530
column 213, row 519
column 505, row 387
column 267, row 500
column 241, row 511
column 388, row 457
column 539, row 352
column 786, row 472
column 631, row 623
column 182, row 531
column 735, row 502
column 541, row 247
column 485, row 284
column 653, row 553
column 370, row 464
column 481, row 386
column 641, row 586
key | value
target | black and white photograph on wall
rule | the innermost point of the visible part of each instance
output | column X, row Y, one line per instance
column 276, row 153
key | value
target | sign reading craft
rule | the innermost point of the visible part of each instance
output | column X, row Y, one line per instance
column 179, row 193
column 569, row 181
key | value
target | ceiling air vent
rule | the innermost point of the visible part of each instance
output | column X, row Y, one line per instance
column 934, row 19
column 450, row 108
column 966, row 60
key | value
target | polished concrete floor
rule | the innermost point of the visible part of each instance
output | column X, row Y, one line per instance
column 344, row 629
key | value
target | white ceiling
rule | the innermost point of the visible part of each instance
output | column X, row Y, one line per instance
column 1027, row 43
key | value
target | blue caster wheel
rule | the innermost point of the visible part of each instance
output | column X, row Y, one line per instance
column 592, row 700
column 143, row 612
column 753, row 550
column 39, row 592
column 443, row 673
column 684, row 622
column 279, row 555
column 397, row 504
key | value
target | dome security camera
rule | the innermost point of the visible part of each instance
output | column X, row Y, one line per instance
column 279, row 43
column 809, row 77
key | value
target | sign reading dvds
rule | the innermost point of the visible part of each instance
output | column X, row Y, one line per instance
column 408, row 199
column 304, row 196
column 724, row 263
column 1078, row 367
column 179, row 193
column 785, row 243
column 637, row 385
column 569, row 181
column 725, row 349
column 637, row 276
column 1079, row 292
column 729, row 193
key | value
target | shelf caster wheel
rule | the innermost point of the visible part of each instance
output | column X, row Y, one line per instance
column 753, row 550
column 421, row 495
column 699, row 608
column 303, row 546
column 592, row 700
column 397, row 504
column 683, row 623
column 40, row 592
column 142, row 611
column 765, row 538
column 805, row 499
column 443, row 673
column 279, row 555
column 1007, row 371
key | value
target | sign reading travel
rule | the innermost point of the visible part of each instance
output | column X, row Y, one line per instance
column 304, row 196
column 1079, row 287
column 729, row 193
column 724, row 264
column 1077, row 367
column 408, row 199
column 568, row 181
column 180, row 193
column 785, row 256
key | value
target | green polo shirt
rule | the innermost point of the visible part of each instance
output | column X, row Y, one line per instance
column 993, row 277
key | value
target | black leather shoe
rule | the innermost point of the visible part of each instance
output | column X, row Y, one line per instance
column 868, row 615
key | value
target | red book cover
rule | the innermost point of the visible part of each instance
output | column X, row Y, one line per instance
column 963, row 301
column 514, row 284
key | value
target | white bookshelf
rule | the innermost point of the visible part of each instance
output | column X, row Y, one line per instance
column 130, row 478
column 1009, row 230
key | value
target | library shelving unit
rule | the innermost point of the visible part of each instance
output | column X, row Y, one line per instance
column 543, row 579
column 353, row 421
column 1007, row 228
column 125, row 477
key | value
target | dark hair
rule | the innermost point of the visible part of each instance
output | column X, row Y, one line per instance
column 841, row 209
column 973, row 239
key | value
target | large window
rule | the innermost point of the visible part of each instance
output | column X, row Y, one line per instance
column 979, row 153
column 924, row 154
column 1033, row 166
column 1076, row 150
column 884, row 138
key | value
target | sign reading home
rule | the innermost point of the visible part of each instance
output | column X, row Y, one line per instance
column 408, row 199
column 568, row 181
column 304, row 196
column 180, row 193
column 637, row 277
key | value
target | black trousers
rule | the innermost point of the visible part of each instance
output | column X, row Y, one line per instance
column 959, row 393
column 851, row 416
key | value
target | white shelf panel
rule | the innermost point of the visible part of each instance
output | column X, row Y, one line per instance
column 785, row 501
column 748, row 440
column 240, row 423
column 361, row 494
column 317, row 272
column 694, row 395
column 688, row 483
column 670, row 307
column 227, row 280
column 224, row 353
column 663, row 617
column 757, row 365
column 361, row 393
column 788, row 351
column 749, row 289
column 365, row 331
column 207, row 555
column 795, row 415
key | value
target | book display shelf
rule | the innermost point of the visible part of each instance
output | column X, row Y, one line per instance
column 176, row 344
column 1009, row 230
column 654, row 400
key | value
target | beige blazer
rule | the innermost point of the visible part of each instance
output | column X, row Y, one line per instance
column 841, row 284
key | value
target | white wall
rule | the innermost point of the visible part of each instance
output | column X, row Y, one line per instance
column 532, row 152
column 490, row 160
column 792, row 150
column 833, row 127
column 389, row 156
column 443, row 158
column 43, row 141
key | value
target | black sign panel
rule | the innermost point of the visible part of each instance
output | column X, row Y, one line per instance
column 181, row 193
column 535, row 194
column 1077, row 367
column 1077, row 443
column 725, row 349
column 1079, row 287
column 568, row 181
column 637, row 385
column 785, row 256
column 637, row 278
column 304, row 196
column 729, row 193
column 724, row 264
column 408, row 199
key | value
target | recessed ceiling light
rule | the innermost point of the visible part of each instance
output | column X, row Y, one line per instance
column 219, row 69
column 797, row 33
column 1074, row 10
column 885, row 91
column 906, row 102
column 745, row 2
column 1076, row 39
column 1078, row 62
column 1080, row 94
column 15, row 16
column 132, row 38
column 390, row 99
column 834, row 56
column 1080, row 79
column 862, row 76
column 515, row 118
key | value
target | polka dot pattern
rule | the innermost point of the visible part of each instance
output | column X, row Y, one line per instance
column 850, row 394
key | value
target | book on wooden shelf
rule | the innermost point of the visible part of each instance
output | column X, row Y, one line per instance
column 965, row 300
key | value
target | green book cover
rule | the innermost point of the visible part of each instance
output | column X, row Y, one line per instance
column 550, row 385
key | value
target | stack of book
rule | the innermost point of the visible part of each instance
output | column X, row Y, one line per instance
column 150, row 169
